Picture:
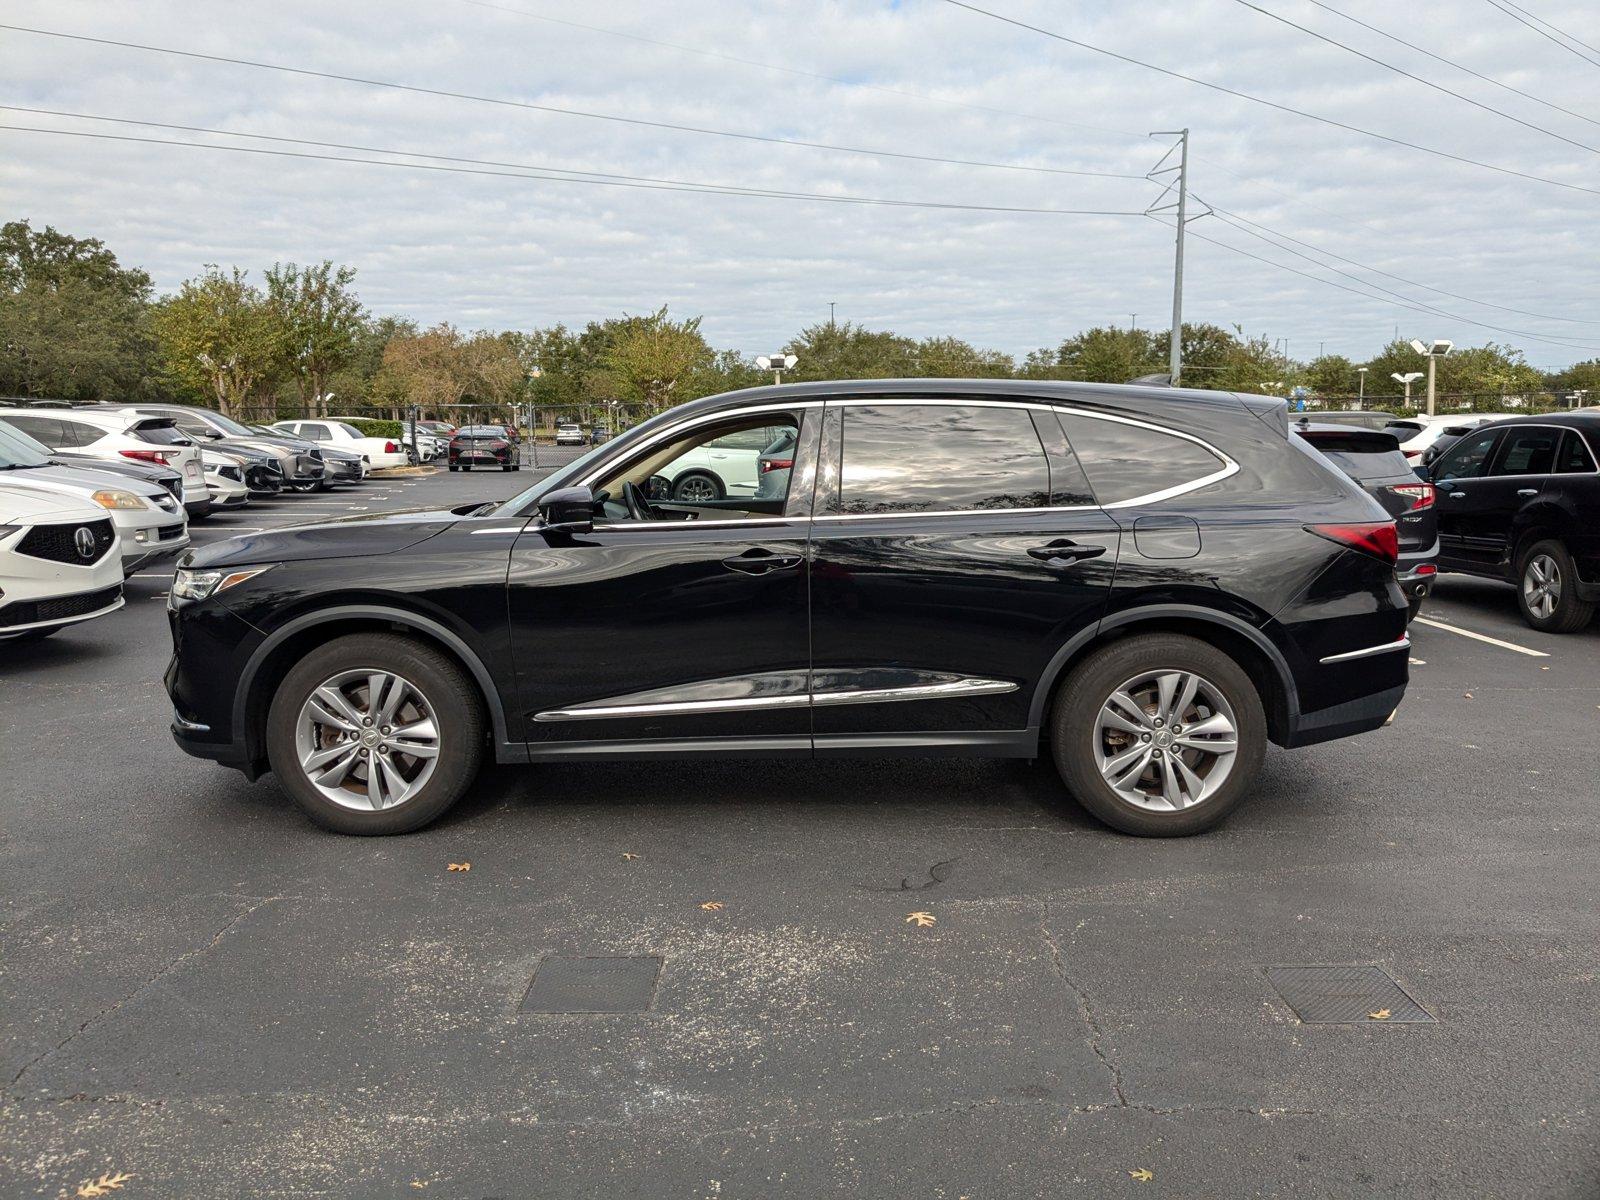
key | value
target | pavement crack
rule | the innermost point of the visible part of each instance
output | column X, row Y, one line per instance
column 1093, row 1034
column 198, row 952
column 937, row 874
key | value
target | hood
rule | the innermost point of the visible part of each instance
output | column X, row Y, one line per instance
column 22, row 504
column 274, row 447
column 85, row 481
column 339, row 537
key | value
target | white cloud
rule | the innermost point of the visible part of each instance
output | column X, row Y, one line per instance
column 501, row 252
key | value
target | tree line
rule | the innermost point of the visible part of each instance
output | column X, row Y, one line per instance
column 76, row 324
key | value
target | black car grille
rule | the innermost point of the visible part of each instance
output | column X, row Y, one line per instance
column 315, row 453
column 170, row 532
column 175, row 486
column 59, row 543
column 264, row 478
column 31, row 612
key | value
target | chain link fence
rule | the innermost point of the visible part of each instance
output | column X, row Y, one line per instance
column 1446, row 403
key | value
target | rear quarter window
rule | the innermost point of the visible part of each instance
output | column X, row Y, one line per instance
column 1124, row 462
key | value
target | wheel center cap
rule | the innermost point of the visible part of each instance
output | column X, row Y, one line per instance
column 1163, row 738
column 370, row 738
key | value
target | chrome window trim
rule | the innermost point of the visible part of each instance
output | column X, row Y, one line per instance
column 951, row 690
column 1403, row 644
column 1228, row 469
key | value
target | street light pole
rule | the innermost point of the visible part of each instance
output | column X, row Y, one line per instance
column 777, row 364
column 1433, row 352
column 1361, row 375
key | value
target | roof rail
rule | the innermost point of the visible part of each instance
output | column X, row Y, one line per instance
column 1153, row 380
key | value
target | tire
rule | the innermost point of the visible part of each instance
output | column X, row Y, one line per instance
column 438, row 689
column 1079, row 740
column 505, row 467
column 1550, row 604
column 697, row 485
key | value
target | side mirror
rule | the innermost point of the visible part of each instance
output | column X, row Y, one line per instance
column 569, row 510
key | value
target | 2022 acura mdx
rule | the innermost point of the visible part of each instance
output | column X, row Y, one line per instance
column 1148, row 584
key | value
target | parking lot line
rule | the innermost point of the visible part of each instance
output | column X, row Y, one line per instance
column 1480, row 637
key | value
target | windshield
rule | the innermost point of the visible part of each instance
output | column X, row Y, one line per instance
column 228, row 424
column 16, row 454
column 27, row 439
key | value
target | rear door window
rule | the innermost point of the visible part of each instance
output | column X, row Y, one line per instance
column 1528, row 450
column 1125, row 462
column 906, row 458
column 1574, row 457
column 49, row 430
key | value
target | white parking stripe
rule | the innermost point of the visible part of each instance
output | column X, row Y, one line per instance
column 1480, row 637
column 151, row 575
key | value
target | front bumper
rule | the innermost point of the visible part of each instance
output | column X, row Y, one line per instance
column 145, row 543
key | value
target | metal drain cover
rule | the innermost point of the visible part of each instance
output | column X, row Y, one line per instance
column 1345, row 995
column 579, row 984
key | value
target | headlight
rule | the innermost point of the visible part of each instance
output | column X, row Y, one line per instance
column 117, row 498
column 188, row 585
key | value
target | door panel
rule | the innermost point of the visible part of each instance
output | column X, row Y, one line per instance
column 638, row 626
column 1463, row 503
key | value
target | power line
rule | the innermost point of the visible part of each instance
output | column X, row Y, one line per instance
column 1382, row 299
column 799, row 72
column 1428, row 83
column 1235, row 217
column 1450, row 62
column 1515, row 16
column 644, row 182
column 569, row 112
column 1273, row 104
column 1549, row 26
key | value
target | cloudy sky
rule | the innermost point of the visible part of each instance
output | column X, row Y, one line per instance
column 919, row 78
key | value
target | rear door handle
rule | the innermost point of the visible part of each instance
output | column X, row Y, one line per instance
column 1065, row 550
column 760, row 562
column 1527, row 491
column 1457, row 495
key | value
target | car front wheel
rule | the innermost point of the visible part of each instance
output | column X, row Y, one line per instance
column 697, row 487
column 1159, row 735
column 375, row 734
column 1547, row 590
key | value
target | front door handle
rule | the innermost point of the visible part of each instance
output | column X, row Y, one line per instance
column 1065, row 550
column 761, row 562
column 1527, row 491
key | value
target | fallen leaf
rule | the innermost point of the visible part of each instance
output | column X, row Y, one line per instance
column 920, row 919
column 629, row 856
column 419, row 1183
column 106, row 1183
column 1383, row 1014
column 1142, row 1175
column 712, row 906
column 1468, row 695
column 466, row 866
column 1544, row 668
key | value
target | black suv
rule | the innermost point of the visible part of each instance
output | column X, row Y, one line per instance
column 1373, row 459
column 1148, row 584
column 1519, row 500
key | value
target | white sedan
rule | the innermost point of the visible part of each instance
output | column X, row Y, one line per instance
column 59, row 556
column 380, row 453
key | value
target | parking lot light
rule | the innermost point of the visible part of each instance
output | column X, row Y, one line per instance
column 1433, row 352
column 777, row 364
column 1407, row 379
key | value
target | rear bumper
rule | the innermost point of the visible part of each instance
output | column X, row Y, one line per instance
column 1361, row 715
column 1415, row 571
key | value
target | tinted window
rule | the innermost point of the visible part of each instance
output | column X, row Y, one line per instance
column 1574, row 457
column 1468, row 458
column 941, row 458
column 1127, row 461
column 1364, row 467
column 1528, row 450
column 43, row 429
column 162, row 433
column 350, row 429
column 314, row 432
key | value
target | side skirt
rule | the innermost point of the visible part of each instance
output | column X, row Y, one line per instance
column 1008, row 743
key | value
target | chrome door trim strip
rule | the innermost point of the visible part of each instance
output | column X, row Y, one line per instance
column 1403, row 644
column 950, row 690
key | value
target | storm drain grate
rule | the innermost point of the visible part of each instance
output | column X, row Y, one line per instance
column 579, row 984
column 1340, row 995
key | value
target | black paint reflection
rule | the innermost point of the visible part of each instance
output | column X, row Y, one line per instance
column 938, row 458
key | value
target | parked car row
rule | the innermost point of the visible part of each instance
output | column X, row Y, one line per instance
column 90, row 494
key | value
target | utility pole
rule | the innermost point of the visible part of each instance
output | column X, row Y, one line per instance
column 1133, row 321
column 831, row 303
column 1175, row 358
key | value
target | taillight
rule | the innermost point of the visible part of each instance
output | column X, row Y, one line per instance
column 1379, row 539
column 390, row 448
column 1421, row 495
column 1412, row 453
column 776, row 464
column 159, row 457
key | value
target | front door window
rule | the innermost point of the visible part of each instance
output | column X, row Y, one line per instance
column 735, row 469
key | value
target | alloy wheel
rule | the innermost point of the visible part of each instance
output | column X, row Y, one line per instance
column 367, row 739
column 1541, row 586
column 1166, row 740
column 695, row 489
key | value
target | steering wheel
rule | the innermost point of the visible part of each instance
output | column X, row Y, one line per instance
column 638, row 505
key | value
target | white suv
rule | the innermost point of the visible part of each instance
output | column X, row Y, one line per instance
column 380, row 453
column 118, row 435
column 59, row 562
column 727, row 467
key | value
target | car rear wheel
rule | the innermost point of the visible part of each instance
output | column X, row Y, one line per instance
column 375, row 734
column 697, row 487
column 1547, row 590
column 1159, row 735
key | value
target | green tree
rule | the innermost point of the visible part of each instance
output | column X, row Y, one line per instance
column 220, row 336
column 650, row 356
column 1331, row 375
column 74, row 323
column 320, row 319
column 1108, row 354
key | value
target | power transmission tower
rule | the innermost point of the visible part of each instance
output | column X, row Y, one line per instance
column 1179, row 206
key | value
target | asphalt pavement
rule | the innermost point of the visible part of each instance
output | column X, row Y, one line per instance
column 203, row 991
